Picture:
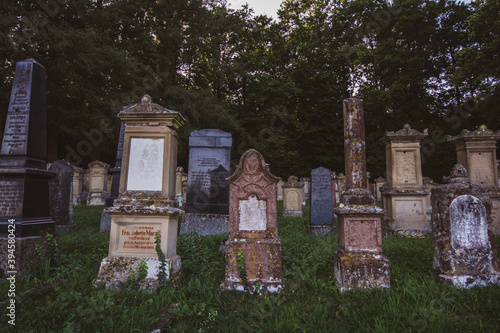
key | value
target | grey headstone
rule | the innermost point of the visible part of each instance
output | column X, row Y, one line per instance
column 61, row 195
column 321, row 197
column 468, row 223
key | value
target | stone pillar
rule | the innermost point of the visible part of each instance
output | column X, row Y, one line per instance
column 279, row 189
column 465, row 249
column 340, row 188
column 292, row 197
column 178, row 180
column 359, row 262
column 24, row 187
column 307, row 188
column 335, row 185
column 379, row 182
column 207, row 199
column 253, row 228
column 477, row 152
column 321, row 220
column 61, row 196
column 98, row 173
column 77, row 185
column 146, row 204
column 404, row 194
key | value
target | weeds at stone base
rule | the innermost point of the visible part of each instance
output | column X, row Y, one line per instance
column 66, row 302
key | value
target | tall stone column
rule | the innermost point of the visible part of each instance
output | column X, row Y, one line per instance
column 359, row 262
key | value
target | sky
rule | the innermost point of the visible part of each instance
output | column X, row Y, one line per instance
column 268, row 7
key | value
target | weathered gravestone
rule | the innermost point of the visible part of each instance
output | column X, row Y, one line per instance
column 146, row 203
column 253, row 230
column 24, row 188
column 279, row 189
column 292, row 197
column 98, row 173
column 405, row 194
column 207, row 198
column 77, row 185
column 359, row 262
column 465, row 249
column 61, row 192
column 306, row 195
column 322, row 218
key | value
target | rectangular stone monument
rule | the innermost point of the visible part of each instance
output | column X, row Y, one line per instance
column 405, row 195
column 77, row 185
column 307, row 188
column 98, row 174
column 146, row 203
column 465, row 249
column 253, row 229
column 322, row 218
column 61, row 192
column 207, row 198
column 359, row 261
column 292, row 197
column 24, row 187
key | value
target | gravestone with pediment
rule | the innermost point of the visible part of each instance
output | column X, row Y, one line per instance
column 207, row 195
column 292, row 197
column 253, row 229
column 322, row 217
column 465, row 249
column 61, row 195
column 24, row 187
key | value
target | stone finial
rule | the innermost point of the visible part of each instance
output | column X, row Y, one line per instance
column 333, row 175
column 180, row 169
column 293, row 181
column 146, row 99
column 482, row 132
column 405, row 133
column 457, row 175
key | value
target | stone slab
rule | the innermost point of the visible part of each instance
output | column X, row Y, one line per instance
column 204, row 224
column 321, row 197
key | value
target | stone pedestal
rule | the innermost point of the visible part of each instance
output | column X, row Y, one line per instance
column 253, row 231
column 146, row 203
column 98, row 173
column 292, row 197
column 322, row 218
column 359, row 262
column 404, row 194
column 61, row 191
column 476, row 151
column 465, row 249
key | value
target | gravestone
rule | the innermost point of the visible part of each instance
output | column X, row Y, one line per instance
column 292, row 197
column 476, row 151
column 24, row 188
column 359, row 262
column 322, row 218
column 98, row 173
column 404, row 194
column 307, row 188
column 207, row 196
column 146, row 202
column 379, row 182
column 279, row 189
column 253, row 229
column 61, row 192
column 465, row 249
column 341, row 180
column 77, row 185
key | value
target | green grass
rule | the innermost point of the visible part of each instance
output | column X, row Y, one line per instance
column 63, row 299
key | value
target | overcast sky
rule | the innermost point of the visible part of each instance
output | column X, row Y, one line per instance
column 268, row 7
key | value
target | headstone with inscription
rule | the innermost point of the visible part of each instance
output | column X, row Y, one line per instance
column 98, row 177
column 477, row 152
column 61, row 192
column 359, row 262
column 322, row 218
column 24, row 187
column 465, row 249
column 404, row 194
column 292, row 197
column 207, row 198
column 146, row 203
column 253, row 229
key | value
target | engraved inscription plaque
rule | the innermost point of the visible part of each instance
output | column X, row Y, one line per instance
column 481, row 169
column 405, row 167
column 469, row 229
column 137, row 238
column 145, row 171
column 252, row 214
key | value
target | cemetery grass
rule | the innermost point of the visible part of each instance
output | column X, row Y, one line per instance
column 59, row 297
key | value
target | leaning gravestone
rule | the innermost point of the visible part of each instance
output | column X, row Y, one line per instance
column 253, row 230
column 24, row 188
column 465, row 251
column 61, row 195
column 321, row 222
column 207, row 199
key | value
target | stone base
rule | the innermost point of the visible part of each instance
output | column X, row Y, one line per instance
column 262, row 260
column 470, row 281
column 361, row 271
column 105, row 222
column 24, row 255
column 65, row 228
column 292, row 213
column 114, row 271
column 204, row 224
column 96, row 199
column 321, row 229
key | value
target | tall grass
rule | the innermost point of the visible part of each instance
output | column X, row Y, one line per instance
column 65, row 301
